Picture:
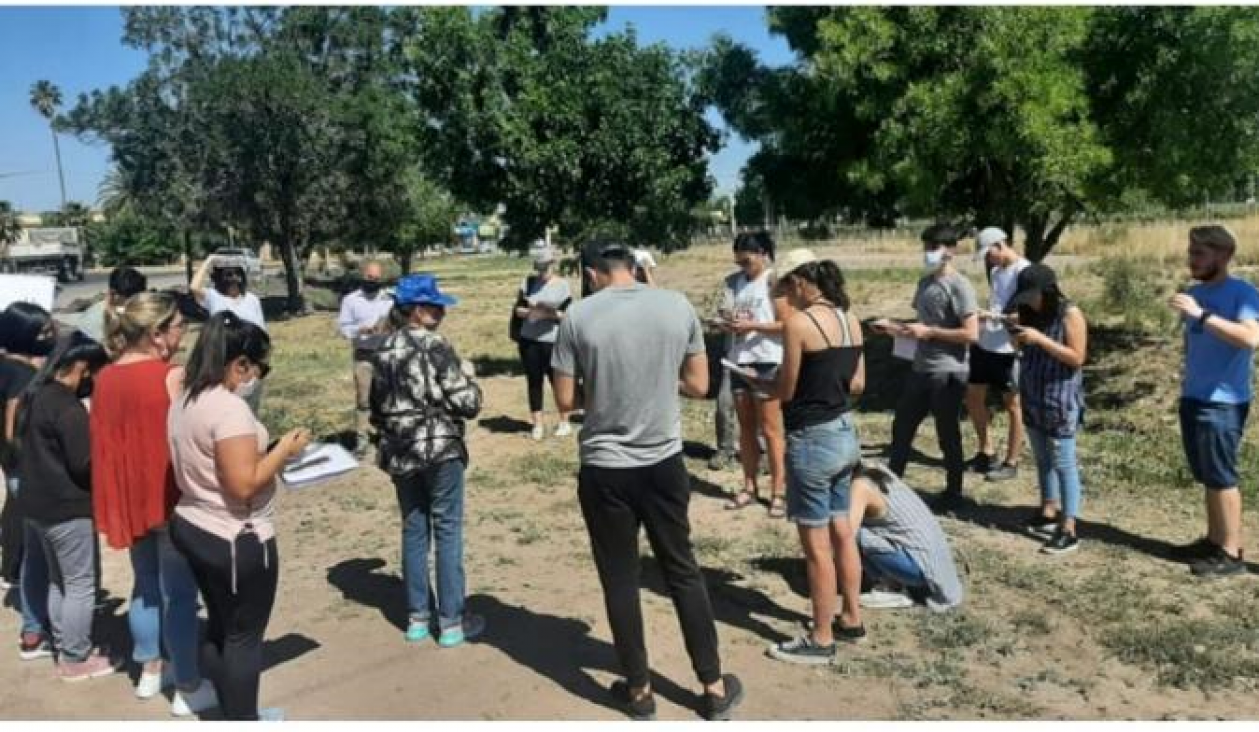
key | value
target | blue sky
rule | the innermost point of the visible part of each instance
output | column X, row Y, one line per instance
column 78, row 49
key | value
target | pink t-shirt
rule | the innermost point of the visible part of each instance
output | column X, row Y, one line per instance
column 217, row 414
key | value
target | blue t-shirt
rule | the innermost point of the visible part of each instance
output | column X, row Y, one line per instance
column 1214, row 370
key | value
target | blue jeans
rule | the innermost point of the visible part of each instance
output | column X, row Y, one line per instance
column 1057, row 470
column 896, row 566
column 820, row 460
column 164, row 606
column 34, row 583
column 431, row 501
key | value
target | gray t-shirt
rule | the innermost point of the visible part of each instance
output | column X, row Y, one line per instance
column 943, row 302
column 554, row 293
column 628, row 345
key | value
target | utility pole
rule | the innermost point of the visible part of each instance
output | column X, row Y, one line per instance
column 734, row 227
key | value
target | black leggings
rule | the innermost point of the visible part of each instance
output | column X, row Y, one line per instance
column 536, row 356
column 231, row 656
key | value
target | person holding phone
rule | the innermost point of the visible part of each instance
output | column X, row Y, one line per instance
column 823, row 369
column 757, row 326
column 224, row 520
column 1052, row 336
column 947, row 326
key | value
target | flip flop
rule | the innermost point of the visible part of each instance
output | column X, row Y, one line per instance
column 740, row 500
column 778, row 507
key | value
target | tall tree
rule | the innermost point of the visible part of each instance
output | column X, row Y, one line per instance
column 9, row 228
column 46, row 100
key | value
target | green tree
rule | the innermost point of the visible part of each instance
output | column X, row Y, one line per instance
column 46, row 100
column 130, row 238
column 430, row 213
column 9, row 227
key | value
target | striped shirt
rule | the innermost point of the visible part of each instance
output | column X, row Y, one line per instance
column 1051, row 391
column 909, row 525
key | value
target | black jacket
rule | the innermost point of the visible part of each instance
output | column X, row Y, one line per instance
column 54, row 458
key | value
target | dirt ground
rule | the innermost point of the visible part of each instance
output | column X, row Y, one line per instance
column 1115, row 631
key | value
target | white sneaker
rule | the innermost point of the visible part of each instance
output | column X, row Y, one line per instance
column 878, row 599
column 564, row 429
column 149, row 685
column 538, row 433
column 271, row 714
column 188, row 703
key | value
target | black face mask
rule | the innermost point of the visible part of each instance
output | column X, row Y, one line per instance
column 371, row 287
column 43, row 347
column 85, row 387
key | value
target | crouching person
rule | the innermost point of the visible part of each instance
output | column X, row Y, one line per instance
column 904, row 552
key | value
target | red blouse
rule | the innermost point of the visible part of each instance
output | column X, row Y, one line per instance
column 133, row 487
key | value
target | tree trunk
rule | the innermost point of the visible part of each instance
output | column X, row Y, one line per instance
column 188, row 255
column 1042, row 238
column 292, row 275
column 404, row 257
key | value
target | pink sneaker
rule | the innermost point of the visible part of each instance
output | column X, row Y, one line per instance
column 94, row 666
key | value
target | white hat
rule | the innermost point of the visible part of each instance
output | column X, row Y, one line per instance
column 546, row 255
column 793, row 259
column 988, row 237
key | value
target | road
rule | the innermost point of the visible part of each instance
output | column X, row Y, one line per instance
column 160, row 278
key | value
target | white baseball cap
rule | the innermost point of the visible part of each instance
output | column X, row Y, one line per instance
column 988, row 237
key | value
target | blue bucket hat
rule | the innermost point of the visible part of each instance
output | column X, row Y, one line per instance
column 421, row 289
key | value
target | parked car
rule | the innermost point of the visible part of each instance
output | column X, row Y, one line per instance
column 251, row 262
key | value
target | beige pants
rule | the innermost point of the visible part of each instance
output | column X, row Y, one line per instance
column 362, row 396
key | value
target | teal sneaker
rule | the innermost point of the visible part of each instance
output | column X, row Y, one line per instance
column 417, row 630
column 470, row 628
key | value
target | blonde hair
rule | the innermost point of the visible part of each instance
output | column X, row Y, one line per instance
column 143, row 313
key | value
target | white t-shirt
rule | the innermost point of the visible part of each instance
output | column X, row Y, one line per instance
column 247, row 306
column 993, row 337
column 754, row 301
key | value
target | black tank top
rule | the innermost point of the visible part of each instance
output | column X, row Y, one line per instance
column 821, row 393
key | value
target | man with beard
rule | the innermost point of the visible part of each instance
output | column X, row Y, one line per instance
column 1221, row 318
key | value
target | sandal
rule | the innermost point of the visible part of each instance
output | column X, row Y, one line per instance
column 778, row 507
column 740, row 500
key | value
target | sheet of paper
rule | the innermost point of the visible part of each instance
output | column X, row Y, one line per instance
column 318, row 463
column 36, row 289
column 904, row 348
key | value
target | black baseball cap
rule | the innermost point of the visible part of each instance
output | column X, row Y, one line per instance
column 604, row 251
column 1032, row 282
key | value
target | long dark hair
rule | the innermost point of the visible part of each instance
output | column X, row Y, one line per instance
column 225, row 338
column 826, row 276
column 25, row 328
column 1053, row 306
column 217, row 274
column 70, row 349
column 758, row 242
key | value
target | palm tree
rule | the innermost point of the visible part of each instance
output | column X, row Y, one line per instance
column 46, row 98
column 114, row 195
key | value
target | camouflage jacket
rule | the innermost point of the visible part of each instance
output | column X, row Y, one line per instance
column 420, row 400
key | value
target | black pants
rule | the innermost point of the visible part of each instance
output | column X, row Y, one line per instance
column 614, row 503
column 939, row 395
column 231, row 656
column 536, row 357
column 10, row 539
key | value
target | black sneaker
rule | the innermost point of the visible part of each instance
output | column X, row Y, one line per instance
column 804, row 651
column 642, row 709
column 1060, row 543
column 855, row 634
column 718, row 708
column 1202, row 548
column 981, row 463
column 1219, row 564
column 1003, row 472
column 1041, row 525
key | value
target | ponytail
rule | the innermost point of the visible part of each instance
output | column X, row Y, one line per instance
column 142, row 315
column 826, row 276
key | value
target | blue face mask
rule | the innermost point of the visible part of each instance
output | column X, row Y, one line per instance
column 932, row 260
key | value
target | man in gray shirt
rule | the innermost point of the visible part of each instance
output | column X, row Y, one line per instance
column 947, row 325
column 635, row 347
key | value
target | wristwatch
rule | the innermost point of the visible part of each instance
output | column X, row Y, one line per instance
column 1202, row 319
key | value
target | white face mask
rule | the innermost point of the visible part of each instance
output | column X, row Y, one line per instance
column 247, row 389
column 932, row 260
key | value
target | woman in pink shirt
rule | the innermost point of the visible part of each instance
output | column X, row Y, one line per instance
column 223, row 521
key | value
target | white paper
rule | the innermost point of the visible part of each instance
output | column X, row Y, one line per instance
column 36, row 289
column 904, row 348
column 318, row 463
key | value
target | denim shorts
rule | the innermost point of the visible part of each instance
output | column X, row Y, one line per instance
column 820, row 461
column 739, row 383
column 1212, row 436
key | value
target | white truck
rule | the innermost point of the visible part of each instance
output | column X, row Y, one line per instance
column 54, row 250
